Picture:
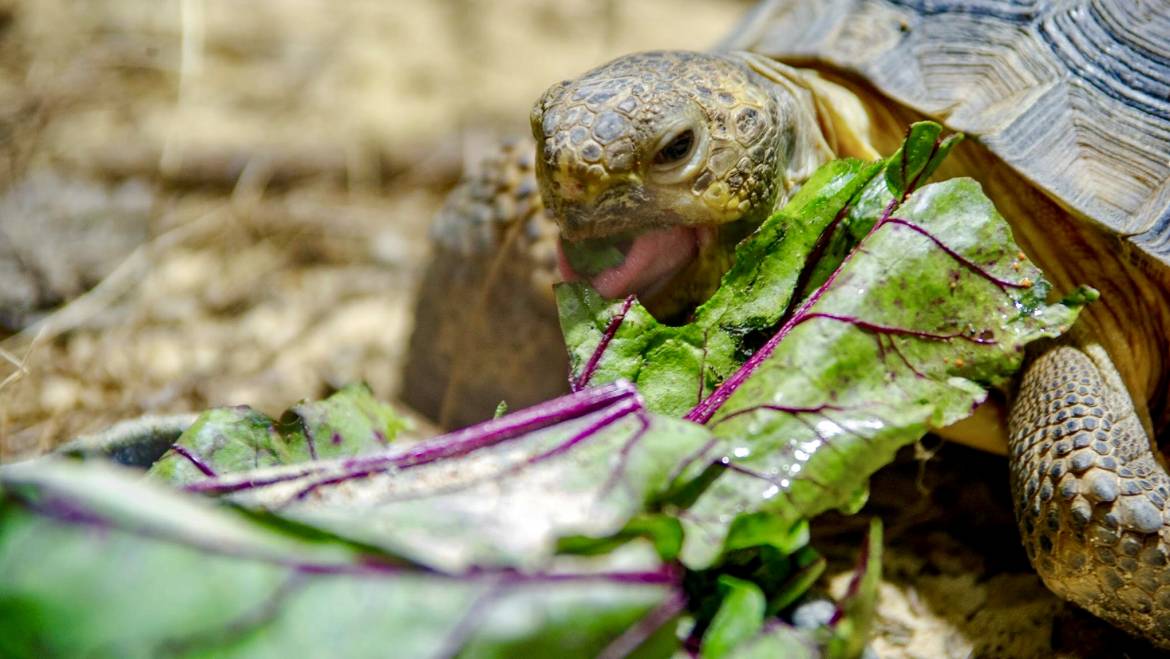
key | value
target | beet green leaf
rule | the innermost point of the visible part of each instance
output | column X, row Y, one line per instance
column 503, row 493
column 233, row 439
column 901, row 331
column 101, row 563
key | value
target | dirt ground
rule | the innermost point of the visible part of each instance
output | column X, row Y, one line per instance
column 208, row 203
column 252, row 184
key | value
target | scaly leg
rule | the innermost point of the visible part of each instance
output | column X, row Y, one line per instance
column 1090, row 495
column 486, row 325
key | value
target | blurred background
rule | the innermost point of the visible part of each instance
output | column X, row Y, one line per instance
column 209, row 202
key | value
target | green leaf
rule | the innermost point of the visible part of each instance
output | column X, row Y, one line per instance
column 844, row 637
column 99, row 562
column 765, row 529
column 850, row 378
column 233, row 439
column 779, row 640
column 914, row 300
column 853, row 622
column 806, row 567
column 668, row 364
column 506, row 493
column 740, row 617
column 921, row 153
column 350, row 422
column 221, row 440
column 664, row 532
column 781, row 574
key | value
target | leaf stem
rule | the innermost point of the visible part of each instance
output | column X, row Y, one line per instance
column 617, row 412
column 971, row 265
column 194, row 460
column 610, row 330
column 779, row 408
column 897, row 331
column 639, row 632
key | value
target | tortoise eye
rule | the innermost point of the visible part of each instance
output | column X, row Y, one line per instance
column 677, row 149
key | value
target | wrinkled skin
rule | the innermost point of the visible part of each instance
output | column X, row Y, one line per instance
column 669, row 158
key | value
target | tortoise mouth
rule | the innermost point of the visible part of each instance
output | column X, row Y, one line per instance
column 640, row 265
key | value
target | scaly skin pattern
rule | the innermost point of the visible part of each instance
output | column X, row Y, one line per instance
column 698, row 147
column 485, row 326
column 1090, row 497
column 599, row 138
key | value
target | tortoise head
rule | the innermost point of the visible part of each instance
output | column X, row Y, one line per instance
column 659, row 157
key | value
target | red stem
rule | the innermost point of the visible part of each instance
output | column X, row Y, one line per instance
column 595, row 359
column 971, row 265
column 194, row 460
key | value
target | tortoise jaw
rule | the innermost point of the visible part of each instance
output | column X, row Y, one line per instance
column 623, row 243
column 656, row 262
column 652, row 261
column 617, row 207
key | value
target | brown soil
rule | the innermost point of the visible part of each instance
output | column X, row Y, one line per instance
column 249, row 184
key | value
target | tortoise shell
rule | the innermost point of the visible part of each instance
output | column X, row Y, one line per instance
column 1075, row 96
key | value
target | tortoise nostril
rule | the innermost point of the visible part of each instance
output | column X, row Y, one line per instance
column 677, row 149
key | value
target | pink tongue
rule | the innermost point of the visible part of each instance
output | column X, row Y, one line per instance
column 653, row 258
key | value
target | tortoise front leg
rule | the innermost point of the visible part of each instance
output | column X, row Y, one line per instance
column 1090, row 495
column 485, row 326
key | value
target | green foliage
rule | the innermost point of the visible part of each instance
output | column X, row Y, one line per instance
column 98, row 563
column 232, row 439
column 739, row 618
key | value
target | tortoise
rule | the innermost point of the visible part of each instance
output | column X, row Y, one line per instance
column 673, row 155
